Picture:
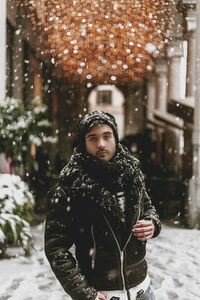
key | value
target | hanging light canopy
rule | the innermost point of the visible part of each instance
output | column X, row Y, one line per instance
column 103, row 41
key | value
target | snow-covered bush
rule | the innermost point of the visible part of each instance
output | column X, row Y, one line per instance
column 16, row 209
column 22, row 126
column 2, row 243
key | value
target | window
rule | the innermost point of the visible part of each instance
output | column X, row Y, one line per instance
column 104, row 97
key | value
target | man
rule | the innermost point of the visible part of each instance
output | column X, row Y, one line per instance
column 100, row 205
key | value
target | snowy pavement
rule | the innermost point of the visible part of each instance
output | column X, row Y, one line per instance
column 173, row 259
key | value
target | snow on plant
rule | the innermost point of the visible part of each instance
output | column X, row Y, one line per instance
column 2, row 236
column 21, row 126
column 16, row 208
column 2, row 243
column 40, row 126
column 36, row 140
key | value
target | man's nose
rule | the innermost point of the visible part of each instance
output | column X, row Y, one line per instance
column 101, row 144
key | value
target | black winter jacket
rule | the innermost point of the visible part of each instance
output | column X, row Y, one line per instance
column 107, row 255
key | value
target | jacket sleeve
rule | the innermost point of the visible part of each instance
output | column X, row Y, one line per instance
column 59, row 235
column 149, row 211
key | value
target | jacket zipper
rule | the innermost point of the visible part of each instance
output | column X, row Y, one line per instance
column 121, row 255
column 121, row 251
column 122, row 271
column 94, row 249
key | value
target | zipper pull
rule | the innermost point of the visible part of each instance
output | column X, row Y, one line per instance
column 92, row 265
column 93, row 254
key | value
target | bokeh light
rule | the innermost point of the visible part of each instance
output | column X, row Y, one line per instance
column 103, row 41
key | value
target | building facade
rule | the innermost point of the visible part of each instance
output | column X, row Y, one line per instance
column 158, row 114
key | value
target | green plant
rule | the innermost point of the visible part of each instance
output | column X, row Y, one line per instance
column 16, row 210
column 2, row 243
column 21, row 127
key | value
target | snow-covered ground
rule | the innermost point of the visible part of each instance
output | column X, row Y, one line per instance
column 173, row 259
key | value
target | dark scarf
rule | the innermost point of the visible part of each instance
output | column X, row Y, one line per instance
column 100, row 180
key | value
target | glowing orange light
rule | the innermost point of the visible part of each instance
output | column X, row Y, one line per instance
column 103, row 41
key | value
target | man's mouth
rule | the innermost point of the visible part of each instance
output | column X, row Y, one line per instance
column 100, row 153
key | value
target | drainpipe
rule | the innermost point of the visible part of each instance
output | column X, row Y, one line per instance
column 2, row 50
column 2, row 63
column 194, row 184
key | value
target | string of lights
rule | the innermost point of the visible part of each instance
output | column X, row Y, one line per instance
column 103, row 41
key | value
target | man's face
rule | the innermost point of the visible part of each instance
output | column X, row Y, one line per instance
column 100, row 142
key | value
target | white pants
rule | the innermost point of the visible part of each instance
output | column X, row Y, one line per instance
column 133, row 291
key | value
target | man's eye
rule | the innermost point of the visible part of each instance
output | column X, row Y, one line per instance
column 107, row 136
column 92, row 139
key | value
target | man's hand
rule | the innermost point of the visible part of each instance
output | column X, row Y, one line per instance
column 143, row 230
column 100, row 296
